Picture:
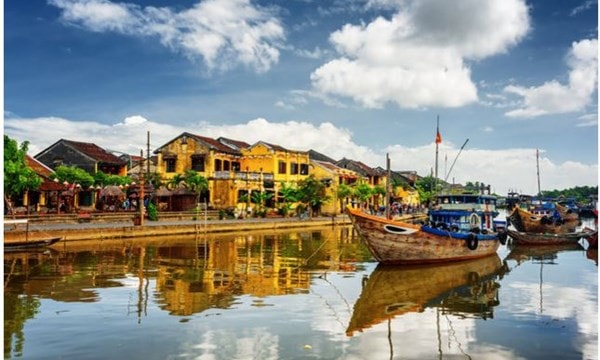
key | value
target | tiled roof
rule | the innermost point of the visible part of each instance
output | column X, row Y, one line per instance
column 235, row 143
column 215, row 144
column 39, row 168
column 44, row 172
column 95, row 152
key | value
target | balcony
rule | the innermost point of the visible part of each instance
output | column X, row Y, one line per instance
column 243, row 175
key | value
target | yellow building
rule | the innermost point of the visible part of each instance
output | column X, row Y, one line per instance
column 218, row 160
column 275, row 166
column 332, row 176
column 234, row 169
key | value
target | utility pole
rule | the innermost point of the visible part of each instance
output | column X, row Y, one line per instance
column 141, row 195
column 148, row 156
column 388, row 186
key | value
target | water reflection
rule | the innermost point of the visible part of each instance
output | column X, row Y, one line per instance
column 293, row 294
column 466, row 289
column 192, row 274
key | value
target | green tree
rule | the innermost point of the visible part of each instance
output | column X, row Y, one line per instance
column 289, row 193
column 175, row 181
column 425, row 188
column 18, row 177
column 344, row 191
column 259, row 198
column 101, row 178
column 363, row 193
column 312, row 193
column 73, row 175
column 195, row 182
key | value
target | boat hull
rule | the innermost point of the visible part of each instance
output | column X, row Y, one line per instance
column 525, row 238
column 389, row 244
column 31, row 244
column 524, row 221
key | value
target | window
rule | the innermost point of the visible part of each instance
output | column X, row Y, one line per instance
column 303, row 169
column 226, row 165
column 198, row 163
column 282, row 167
column 170, row 164
column 235, row 166
column 218, row 165
column 294, row 168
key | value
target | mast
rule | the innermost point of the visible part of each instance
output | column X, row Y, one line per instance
column 438, row 139
column 388, row 186
column 537, row 159
column 456, row 158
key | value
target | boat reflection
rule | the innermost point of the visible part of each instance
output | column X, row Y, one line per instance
column 542, row 253
column 465, row 289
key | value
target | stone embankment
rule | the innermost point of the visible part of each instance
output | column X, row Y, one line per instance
column 101, row 226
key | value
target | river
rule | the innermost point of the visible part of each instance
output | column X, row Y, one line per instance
column 294, row 295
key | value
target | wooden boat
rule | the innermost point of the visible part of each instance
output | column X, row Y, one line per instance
column 31, row 244
column 526, row 238
column 26, row 243
column 395, row 242
column 591, row 237
column 524, row 221
column 465, row 287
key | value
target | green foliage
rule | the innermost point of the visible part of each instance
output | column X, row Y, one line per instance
column 259, row 198
column 101, row 178
column 18, row 177
column 581, row 193
column 290, row 196
column 154, row 179
column 312, row 192
column 425, row 187
column 363, row 192
column 379, row 190
column 152, row 212
column 73, row 175
column 195, row 182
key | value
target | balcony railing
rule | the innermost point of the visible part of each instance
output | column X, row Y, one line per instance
column 243, row 175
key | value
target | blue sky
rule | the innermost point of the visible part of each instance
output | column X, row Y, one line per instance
column 348, row 78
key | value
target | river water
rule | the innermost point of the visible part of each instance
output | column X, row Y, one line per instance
column 312, row 294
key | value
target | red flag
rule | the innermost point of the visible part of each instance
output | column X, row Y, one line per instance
column 438, row 137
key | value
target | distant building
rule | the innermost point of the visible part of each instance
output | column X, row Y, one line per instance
column 87, row 156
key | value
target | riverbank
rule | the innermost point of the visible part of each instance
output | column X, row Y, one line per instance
column 74, row 228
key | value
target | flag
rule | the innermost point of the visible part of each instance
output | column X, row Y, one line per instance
column 438, row 137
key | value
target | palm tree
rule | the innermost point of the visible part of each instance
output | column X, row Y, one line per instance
column 175, row 181
column 290, row 196
column 196, row 183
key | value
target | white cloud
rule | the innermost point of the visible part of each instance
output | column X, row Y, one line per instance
column 224, row 33
column 503, row 169
column 555, row 98
column 418, row 57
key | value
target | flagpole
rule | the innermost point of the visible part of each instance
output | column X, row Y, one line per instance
column 437, row 136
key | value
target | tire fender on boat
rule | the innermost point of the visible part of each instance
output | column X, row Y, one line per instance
column 474, row 220
column 472, row 241
column 502, row 237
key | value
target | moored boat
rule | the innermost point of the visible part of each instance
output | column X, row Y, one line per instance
column 524, row 221
column 527, row 238
column 29, row 244
column 25, row 243
column 396, row 242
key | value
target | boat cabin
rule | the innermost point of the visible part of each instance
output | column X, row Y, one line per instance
column 464, row 212
column 473, row 202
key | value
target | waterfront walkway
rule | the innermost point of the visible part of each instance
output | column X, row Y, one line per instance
column 73, row 227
